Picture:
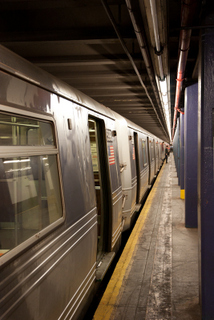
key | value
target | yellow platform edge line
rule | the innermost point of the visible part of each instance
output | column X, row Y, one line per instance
column 111, row 293
column 182, row 194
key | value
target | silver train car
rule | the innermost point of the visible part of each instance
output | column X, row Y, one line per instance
column 72, row 176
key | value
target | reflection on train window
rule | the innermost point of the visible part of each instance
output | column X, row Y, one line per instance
column 20, row 131
column 30, row 192
column 144, row 153
column 29, row 182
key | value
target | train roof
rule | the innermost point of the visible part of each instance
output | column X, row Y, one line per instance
column 23, row 69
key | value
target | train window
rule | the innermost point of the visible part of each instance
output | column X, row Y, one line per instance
column 94, row 134
column 93, row 143
column 20, row 131
column 29, row 180
column 144, row 153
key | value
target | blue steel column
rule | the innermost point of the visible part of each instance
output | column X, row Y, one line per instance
column 182, row 191
column 176, row 148
column 175, row 152
column 178, row 151
column 205, row 165
column 191, row 155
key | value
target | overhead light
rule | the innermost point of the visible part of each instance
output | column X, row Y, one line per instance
column 163, row 89
column 163, row 86
column 165, row 99
column 157, row 37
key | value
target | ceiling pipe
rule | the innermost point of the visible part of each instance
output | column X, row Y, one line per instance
column 157, row 37
column 158, row 52
column 146, row 57
column 188, row 11
column 144, row 51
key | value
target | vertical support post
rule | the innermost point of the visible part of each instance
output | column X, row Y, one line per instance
column 178, row 151
column 182, row 191
column 191, row 155
column 205, row 164
column 175, row 148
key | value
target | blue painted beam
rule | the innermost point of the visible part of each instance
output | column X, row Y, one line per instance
column 182, row 156
column 176, row 149
column 205, row 164
column 191, row 155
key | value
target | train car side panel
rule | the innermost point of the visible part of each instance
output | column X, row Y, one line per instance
column 125, row 169
column 116, row 187
column 69, row 183
column 27, row 280
column 75, row 155
column 133, row 170
column 156, row 156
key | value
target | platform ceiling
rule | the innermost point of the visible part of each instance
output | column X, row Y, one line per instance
column 77, row 41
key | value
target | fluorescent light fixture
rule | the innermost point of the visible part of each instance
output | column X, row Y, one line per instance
column 163, row 89
column 165, row 99
column 163, row 86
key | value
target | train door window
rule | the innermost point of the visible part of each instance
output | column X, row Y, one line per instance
column 98, row 154
column 29, row 179
column 144, row 152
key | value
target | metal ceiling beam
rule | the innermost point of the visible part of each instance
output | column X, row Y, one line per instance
column 125, row 102
column 129, row 105
column 98, row 75
column 104, row 81
column 121, row 94
column 56, row 34
column 52, row 4
column 113, row 86
column 84, row 61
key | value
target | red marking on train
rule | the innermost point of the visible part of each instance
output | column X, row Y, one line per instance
column 111, row 155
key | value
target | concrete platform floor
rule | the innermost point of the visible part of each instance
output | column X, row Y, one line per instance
column 157, row 274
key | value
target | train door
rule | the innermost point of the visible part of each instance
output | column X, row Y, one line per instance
column 152, row 159
column 157, row 156
column 137, row 166
column 133, row 171
column 101, row 182
column 154, row 152
column 162, row 152
column 149, row 159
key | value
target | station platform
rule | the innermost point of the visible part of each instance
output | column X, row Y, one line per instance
column 157, row 274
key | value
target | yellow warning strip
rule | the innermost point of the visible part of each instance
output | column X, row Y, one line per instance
column 182, row 194
column 111, row 293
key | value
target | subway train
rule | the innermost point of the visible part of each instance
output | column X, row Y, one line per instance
column 73, row 174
